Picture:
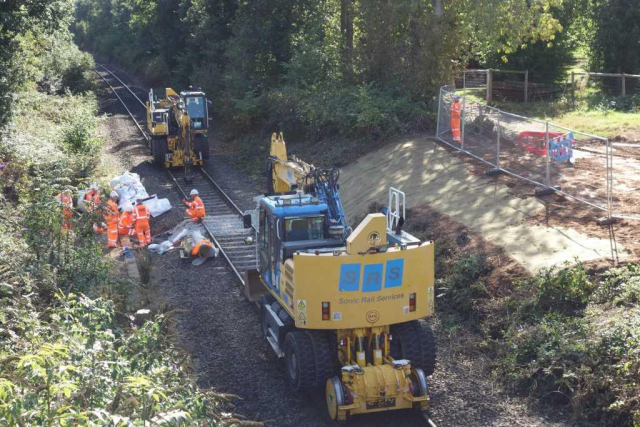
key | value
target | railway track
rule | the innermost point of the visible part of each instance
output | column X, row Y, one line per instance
column 224, row 221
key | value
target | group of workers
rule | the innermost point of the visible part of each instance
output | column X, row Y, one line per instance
column 134, row 219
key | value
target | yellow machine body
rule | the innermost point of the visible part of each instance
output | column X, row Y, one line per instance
column 362, row 290
column 168, row 121
column 378, row 279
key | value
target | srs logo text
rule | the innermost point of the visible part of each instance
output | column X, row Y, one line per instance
column 371, row 277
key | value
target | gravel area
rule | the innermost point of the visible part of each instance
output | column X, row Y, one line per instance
column 221, row 329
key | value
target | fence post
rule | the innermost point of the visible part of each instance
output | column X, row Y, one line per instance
column 548, row 156
column 498, row 149
column 573, row 94
column 489, row 86
column 464, row 103
column 526, row 86
column 624, row 86
column 464, row 79
column 439, row 114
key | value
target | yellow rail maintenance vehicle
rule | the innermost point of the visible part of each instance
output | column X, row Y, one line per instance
column 179, row 127
column 343, row 307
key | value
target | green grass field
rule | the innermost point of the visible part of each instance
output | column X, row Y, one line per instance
column 609, row 117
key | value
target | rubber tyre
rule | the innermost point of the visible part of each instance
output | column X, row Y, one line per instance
column 299, row 361
column 201, row 147
column 415, row 341
column 322, row 356
column 159, row 149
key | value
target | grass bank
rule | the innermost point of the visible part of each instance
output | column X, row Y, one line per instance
column 70, row 353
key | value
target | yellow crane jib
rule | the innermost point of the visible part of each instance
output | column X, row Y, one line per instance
column 346, row 313
column 179, row 127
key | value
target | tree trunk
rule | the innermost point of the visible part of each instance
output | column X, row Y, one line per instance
column 346, row 30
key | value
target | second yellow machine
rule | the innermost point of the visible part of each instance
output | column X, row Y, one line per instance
column 344, row 307
column 179, row 127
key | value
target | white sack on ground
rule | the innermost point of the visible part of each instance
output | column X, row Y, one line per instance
column 130, row 188
column 157, row 206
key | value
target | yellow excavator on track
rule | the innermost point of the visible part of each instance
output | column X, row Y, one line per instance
column 179, row 127
column 343, row 307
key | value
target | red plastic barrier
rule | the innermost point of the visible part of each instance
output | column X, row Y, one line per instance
column 536, row 142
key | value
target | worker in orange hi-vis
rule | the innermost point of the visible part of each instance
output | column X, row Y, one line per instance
column 141, row 216
column 456, row 110
column 125, row 224
column 111, row 217
column 66, row 202
column 195, row 208
column 92, row 198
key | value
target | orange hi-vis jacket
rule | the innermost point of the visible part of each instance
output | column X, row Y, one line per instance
column 456, row 110
column 92, row 200
column 196, row 248
column 110, row 213
column 141, row 213
column 125, row 225
column 141, row 216
column 196, row 208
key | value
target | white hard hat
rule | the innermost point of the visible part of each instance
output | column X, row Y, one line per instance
column 93, row 187
column 194, row 192
column 127, row 207
column 113, row 195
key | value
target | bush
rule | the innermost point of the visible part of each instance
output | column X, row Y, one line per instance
column 462, row 284
column 571, row 345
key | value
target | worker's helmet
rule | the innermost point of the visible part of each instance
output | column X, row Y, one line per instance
column 113, row 195
column 456, row 97
column 127, row 207
column 93, row 187
column 194, row 192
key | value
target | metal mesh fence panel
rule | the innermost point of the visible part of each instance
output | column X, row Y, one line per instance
column 444, row 132
column 522, row 143
column 578, row 166
column 480, row 131
column 625, row 180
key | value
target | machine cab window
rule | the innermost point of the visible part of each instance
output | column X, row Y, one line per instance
column 304, row 228
column 197, row 109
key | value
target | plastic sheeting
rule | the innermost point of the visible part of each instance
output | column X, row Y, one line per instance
column 130, row 189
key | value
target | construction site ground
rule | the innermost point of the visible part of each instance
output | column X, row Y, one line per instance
column 221, row 329
column 536, row 232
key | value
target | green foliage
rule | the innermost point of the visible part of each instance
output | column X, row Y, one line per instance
column 68, row 356
column 615, row 41
column 24, row 26
column 310, row 68
column 81, row 368
column 461, row 285
column 571, row 344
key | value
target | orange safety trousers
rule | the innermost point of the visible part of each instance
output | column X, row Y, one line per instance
column 112, row 234
column 455, row 122
column 143, row 231
column 111, row 218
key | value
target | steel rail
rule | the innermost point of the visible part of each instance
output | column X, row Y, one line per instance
column 208, row 178
column 122, row 83
column 173, row 178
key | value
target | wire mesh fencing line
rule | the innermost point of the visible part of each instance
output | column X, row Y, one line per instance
column 586, row 85
column 552, row 157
